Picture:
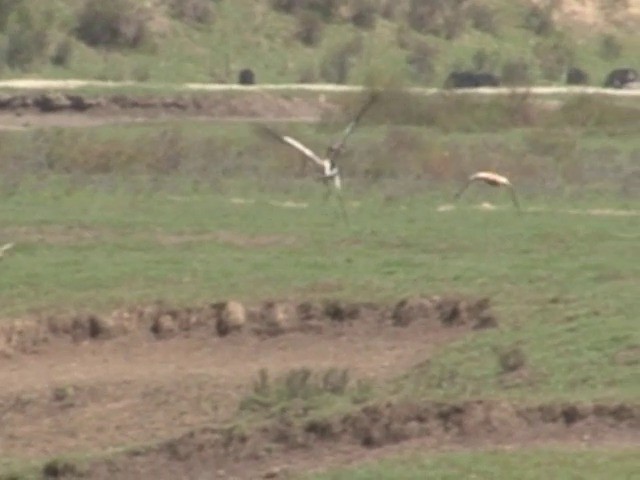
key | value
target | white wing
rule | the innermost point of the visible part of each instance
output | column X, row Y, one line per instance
column 303, row 149
column 292, row 142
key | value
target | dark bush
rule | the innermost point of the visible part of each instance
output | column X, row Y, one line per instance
column 246, row 77
column 309, row 29
column 326, row 9
column 192, row 11
column 116, row 24
column 539, row 19
column 62, row 53
column 287, row 6
column 442, row 18
column 364, row 14
column 577, row 76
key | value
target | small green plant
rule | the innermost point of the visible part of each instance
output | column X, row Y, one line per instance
column 511, row 359
column 297, row 385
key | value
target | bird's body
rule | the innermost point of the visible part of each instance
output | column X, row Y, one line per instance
column 493, row 179
column 330, row 170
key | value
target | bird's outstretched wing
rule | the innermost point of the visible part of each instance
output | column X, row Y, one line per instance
column 337, row 147
column 307, row 152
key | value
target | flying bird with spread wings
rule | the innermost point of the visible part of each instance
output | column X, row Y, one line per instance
column 492, row 179
column 330, row 171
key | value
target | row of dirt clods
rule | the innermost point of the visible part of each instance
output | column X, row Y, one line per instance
column 266, row 319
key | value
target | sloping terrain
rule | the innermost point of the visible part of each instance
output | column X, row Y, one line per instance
column 380, row 41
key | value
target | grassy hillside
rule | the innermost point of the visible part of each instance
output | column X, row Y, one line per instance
column 350, row 41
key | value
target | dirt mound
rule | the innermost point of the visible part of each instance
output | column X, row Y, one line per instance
column 217, row 105
column 373, row 426
column 267, row 319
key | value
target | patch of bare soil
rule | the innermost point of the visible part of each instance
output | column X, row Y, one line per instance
column 25, row 110
column 86, row 382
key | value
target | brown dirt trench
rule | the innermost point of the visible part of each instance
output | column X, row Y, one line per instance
column 90, row 394
column 84, row 384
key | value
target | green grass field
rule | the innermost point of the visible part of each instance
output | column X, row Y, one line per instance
column 102, row 218
column 214, row 227
column 533, row 464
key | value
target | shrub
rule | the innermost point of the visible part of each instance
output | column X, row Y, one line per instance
column 363, row 14
column 539, row 19
column 442, row 18
column 192, row 11
column 511, row 359
column 62, row 53
column 421, row 61
column 287, row 6
column 483, row 18
column 116, row 23
column 299, row 384
column 326, row 9
column 336, row 65
column 610, row 47
column 310, row 27
column 516, row 72
column 27, row 37
column 389, row 9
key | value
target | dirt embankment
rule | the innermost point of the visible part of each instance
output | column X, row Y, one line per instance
column 222, row 319
column 87, row 382
column 215, row 105
column 284, row 445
